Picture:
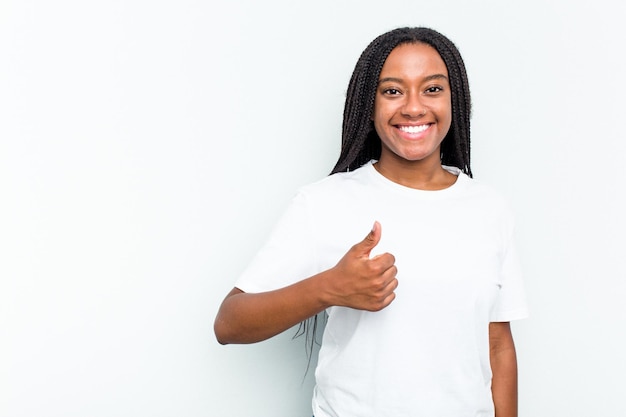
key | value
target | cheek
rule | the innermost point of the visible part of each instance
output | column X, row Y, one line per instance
column 378, row 118
column 445, row 125
column 383, row 112
column 376, row 111
column 447, row 119
column 378, row 129
column 445, row 115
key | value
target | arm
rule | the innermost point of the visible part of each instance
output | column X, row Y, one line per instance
column 248, row 318
column 504, row 368
column 356, row 281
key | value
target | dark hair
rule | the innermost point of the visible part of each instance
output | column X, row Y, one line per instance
column 360, row 142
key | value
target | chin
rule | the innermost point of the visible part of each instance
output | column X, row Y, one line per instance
column 415, row 157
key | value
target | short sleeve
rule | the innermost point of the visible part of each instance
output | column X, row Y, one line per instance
column 511, row 303
column 288, row 256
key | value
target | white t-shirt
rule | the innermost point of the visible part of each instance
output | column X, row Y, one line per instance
column 427, row 353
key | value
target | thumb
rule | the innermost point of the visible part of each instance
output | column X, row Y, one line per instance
column 371, row 240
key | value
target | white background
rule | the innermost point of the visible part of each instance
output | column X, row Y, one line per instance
column 147, row 148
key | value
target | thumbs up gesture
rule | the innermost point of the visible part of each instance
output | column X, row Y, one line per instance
column 362, row 282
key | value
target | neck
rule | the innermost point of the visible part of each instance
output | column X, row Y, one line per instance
column 421, row 175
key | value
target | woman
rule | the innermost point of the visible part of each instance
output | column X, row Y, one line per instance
column 418, row 310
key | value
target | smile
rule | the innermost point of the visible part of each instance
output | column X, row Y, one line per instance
column 414, row 129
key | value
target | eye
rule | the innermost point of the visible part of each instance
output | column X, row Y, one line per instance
column 434, row 89
column 391, row 92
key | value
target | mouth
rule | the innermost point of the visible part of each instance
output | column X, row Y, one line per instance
column 413, row 129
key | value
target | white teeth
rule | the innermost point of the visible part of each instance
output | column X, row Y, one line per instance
column 414, row 129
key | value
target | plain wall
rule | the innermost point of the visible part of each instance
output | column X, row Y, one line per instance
column 147, row 148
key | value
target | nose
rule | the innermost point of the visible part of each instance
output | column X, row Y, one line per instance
column 413, row 106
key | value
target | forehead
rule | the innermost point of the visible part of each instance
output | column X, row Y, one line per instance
column 414, row 58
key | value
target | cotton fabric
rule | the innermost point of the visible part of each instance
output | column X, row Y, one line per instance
column 427, row 353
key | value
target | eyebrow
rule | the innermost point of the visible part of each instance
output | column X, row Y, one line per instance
column 427, row 78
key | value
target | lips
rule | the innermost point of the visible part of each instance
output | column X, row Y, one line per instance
column 414, row 129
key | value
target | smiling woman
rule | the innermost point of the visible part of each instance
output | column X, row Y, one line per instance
column 418, row 317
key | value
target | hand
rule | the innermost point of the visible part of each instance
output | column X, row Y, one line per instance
column 362, row 282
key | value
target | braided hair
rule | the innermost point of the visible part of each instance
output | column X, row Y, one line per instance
column 360, row 142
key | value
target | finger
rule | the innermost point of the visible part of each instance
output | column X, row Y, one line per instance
column 384, row 260
column 390, row 290
column 370, row 241
column 383, row 303
column 389, row 299
column 390, row 280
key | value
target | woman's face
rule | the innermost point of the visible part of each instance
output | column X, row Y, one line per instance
column 412, row 109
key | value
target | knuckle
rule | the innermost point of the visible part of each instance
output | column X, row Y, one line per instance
column 379, row 284
column 376, row 307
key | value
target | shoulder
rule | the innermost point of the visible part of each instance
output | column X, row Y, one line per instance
column 340, row 182
column 481, row 189
column 485, row 197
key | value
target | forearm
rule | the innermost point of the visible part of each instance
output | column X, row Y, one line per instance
column 356, row 281
column 504, row 380
column 504, row 383
column 249, row 318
